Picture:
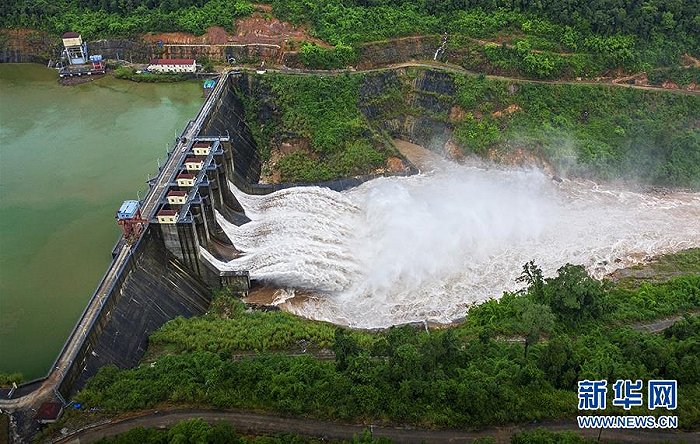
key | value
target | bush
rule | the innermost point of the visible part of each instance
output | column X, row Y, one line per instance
column 127, row 73
column 318, row 57
column 573, row 295
column 6, row 379
column 229, row 329
column 97, row 19
column 476, row 135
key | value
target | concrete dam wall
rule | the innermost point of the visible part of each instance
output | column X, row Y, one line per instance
column 164, row 276
column 153, row 288
column 156, row 274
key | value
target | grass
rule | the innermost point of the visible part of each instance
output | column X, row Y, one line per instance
column 228, row 328
column 660, row 269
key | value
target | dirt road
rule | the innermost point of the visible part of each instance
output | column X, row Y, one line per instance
column 458, row 69
column 258, row 423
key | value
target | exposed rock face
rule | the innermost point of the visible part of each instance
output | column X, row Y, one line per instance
column 416, row 108
column 132, row 50
column 251, row 53
column 395, row 165
column 398, row 50
column 414, row 105
column 437, row 82
column 28, row 46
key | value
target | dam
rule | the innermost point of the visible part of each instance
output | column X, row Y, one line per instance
column 165, row 265
column 469, row 231
column 157, row 275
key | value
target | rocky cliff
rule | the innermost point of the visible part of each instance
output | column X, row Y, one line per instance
column 414, row 105
column 28, row 46
column 400, row 50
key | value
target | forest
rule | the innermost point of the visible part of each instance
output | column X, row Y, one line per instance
column 565, row 38
column 522, row 355
column 585, row 38
column 674, row 20
column 121, row 18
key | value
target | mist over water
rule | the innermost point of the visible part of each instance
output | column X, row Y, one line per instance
column 426, row 247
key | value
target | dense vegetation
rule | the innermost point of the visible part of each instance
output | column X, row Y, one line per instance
column 6, row 379
column 521, row 356
column 567, row 38
column 611, row 133
column 656, row 19
column 601, row 132
column 681, row 76
column 109, row 18
column 318, row 57
column 226, row 328
column 322, row 111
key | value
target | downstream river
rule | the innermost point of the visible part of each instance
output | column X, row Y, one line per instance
column 68, row 157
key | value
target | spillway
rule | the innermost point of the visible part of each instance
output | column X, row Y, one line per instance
column 426, row 247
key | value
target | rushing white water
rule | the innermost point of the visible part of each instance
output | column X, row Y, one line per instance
column 426, row 247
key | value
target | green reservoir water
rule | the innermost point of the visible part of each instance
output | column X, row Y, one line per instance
column 68, row 157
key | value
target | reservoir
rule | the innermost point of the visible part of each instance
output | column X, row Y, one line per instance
column 68, row 157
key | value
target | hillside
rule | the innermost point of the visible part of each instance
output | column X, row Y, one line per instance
column 521, row 356
column 553, row 40
column 319, row 128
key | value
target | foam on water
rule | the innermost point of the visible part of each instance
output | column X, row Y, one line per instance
column 426, row 247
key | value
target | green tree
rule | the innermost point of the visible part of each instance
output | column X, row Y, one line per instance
column 345, row 347
column 534, row 279
column 535, row 319
column 573, row 295
column 6, row 379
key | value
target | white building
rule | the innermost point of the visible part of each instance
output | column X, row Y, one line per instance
column 74, row 48
column 172, row 65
